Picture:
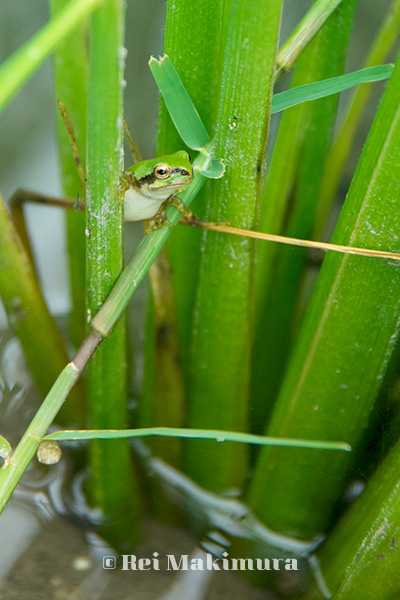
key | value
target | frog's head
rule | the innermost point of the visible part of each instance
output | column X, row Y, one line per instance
column 162, row 176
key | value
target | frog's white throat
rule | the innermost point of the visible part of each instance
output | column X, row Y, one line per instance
column 143, row 203
column 159, row 193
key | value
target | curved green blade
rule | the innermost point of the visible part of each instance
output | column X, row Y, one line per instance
column 327, row 87
column 179, row 104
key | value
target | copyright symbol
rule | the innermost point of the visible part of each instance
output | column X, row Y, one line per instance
column 108, row 562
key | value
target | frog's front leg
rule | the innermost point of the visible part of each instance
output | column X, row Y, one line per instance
column 161, row 218
column 177, row 202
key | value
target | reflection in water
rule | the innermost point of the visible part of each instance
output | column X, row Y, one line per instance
column 226, row 515
column 46, row 492
column 223, row 520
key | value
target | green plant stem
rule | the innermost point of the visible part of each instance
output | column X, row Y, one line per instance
column 193, row 40
column 221, row 330
column 291, row 194
column 111, row 484
column 13, row 469
column 17, row 69
column 12, row 473
column 382, row 45
column 303, row 34
column 27, row 314
column 70, row 66
column 334, row 376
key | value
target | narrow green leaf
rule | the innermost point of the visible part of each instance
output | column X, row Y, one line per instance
column 204, row 434
column 179, row 104
column 327, row 87
column 17, row 69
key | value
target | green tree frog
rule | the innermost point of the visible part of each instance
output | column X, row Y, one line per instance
column 150, row 185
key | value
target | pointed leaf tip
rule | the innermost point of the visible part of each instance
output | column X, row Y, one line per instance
column 179, row 104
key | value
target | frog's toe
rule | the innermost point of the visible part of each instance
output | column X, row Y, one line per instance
column 157, row 222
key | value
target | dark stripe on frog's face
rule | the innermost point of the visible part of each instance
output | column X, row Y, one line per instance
column 149, row 179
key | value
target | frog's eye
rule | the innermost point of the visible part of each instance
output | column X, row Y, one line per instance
column 161, row 171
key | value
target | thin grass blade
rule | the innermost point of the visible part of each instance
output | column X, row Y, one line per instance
column 210, row 434
column 327, row 87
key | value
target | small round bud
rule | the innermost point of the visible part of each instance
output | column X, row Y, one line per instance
column 49, row 453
